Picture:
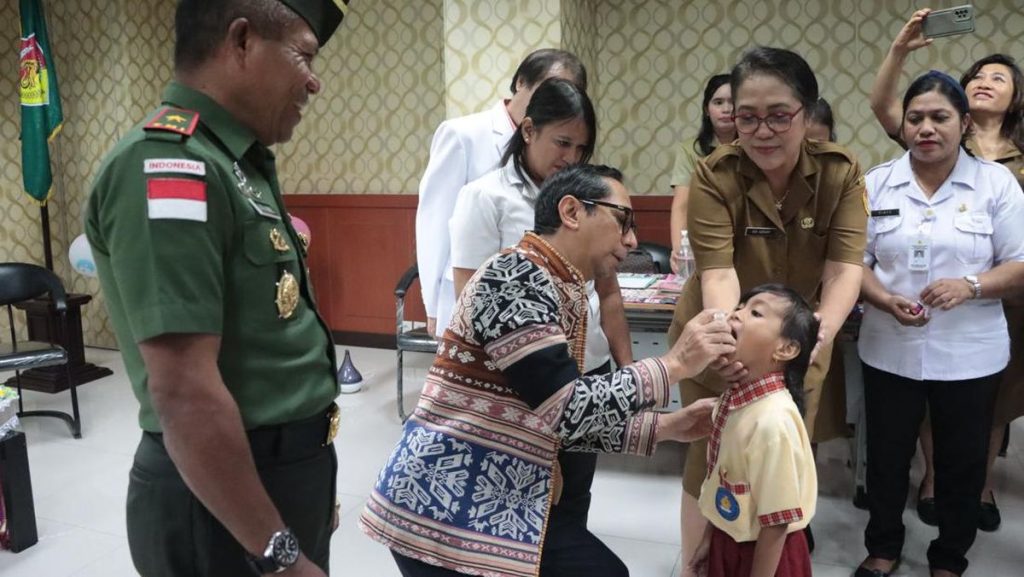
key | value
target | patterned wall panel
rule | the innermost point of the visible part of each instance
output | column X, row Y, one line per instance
column 579, row 34
column 654, row 57
column 484, row 42
column 369, row 129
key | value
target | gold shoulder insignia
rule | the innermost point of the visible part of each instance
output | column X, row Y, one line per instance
column 177, row 120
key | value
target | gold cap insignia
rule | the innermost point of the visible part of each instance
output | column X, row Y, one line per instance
column 806, row 223
column 278, row 242
column 287, row 295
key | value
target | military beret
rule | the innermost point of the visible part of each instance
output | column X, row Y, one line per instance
column 323, row 16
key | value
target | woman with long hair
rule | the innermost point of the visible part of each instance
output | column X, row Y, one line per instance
column 716, row 128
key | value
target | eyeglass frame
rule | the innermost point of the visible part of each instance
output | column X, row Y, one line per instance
column 764, row 120
column 629, row 224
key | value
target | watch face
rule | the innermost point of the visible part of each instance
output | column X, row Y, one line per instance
column 286, row 549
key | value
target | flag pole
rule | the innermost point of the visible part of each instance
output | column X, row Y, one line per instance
column 44, row 217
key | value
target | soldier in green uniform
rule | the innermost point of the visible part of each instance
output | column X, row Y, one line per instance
column 207, row 287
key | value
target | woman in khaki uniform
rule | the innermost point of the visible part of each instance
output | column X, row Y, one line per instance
column 995, row 95
column 772, row 208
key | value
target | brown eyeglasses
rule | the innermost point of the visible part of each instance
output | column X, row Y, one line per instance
column 626, row 222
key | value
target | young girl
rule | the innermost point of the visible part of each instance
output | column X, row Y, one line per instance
column 760, row 489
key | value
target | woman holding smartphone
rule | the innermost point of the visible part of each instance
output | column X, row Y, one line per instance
column 772, row 208
column 944, row 245
column 995, row 94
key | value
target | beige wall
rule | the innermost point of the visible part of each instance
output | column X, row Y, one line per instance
column 399, row 67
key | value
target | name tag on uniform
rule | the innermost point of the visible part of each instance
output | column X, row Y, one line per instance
column 920, row 254
column 885, row 212
column 760, row 231
column 263, row 210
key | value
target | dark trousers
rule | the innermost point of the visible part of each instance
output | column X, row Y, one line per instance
column 569, row 550
column 961, row 415
column 171, row 534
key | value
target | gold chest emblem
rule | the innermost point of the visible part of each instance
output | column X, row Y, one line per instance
column 278, row 242
column 287, row 295
column 806, row 223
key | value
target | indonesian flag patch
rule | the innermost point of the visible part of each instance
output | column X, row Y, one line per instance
column 176, row 199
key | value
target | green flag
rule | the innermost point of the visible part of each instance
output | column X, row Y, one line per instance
column 41, row 116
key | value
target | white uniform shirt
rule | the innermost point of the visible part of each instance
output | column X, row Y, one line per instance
column 973, row 222
column 463, row 149
column 494, row 212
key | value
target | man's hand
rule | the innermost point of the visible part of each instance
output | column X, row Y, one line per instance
column 431, row 325
column 730, row 371
column 947, row 293
column 690, row 423
column 705, row 338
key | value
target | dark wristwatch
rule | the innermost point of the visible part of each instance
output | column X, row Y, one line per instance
column 281, row 553
column 975, row 285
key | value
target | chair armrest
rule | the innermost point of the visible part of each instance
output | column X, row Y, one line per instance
column 406, row 281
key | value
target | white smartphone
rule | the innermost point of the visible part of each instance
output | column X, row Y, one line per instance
column 949, row 22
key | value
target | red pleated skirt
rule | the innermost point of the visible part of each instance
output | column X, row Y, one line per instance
column 727, row 558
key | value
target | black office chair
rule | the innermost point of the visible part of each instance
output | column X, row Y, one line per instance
column 414, row 340
column 21, row 282
column 647, row 258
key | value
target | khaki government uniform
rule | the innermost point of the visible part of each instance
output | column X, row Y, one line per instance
column 1010, row 398
column 733, row 223
column 191, row 236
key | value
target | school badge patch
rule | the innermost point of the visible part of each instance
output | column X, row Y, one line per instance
column 726, row 504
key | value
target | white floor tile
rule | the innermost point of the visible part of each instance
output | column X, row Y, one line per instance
column 79, row 488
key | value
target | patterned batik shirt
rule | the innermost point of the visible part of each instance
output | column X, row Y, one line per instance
column 760, row 466
column 469, row 485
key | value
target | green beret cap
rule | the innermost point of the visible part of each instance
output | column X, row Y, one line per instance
column 323, row 16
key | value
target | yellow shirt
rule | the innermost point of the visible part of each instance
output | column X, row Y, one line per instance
column 761, row 469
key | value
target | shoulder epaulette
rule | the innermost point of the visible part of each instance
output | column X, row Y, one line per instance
column 174, row 120
column 722, row 152
column 815, row 147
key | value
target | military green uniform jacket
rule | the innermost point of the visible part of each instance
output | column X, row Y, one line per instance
column 190, row 235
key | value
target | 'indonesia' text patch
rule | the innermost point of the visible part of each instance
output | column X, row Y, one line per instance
column 176, row 198
column 174, row 165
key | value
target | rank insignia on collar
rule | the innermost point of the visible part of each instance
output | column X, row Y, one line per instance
column 277, row 241
column 177, row 120
column 244, row 187
column 304, row 239
column 287, row 299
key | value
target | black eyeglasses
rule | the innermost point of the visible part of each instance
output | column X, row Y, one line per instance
column 777, row 121
column 626, row 222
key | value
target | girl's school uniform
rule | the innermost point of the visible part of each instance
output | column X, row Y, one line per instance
column 760, row 474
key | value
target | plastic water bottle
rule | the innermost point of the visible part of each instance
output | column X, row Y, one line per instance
column 687, row 266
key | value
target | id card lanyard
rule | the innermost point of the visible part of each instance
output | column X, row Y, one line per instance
column 919, row 253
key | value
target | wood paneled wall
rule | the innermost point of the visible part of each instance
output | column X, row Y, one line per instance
column 363, row 243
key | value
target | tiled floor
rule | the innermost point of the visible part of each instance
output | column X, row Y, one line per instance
column 80, row 491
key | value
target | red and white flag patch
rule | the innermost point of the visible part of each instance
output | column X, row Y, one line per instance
column 176, row 198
